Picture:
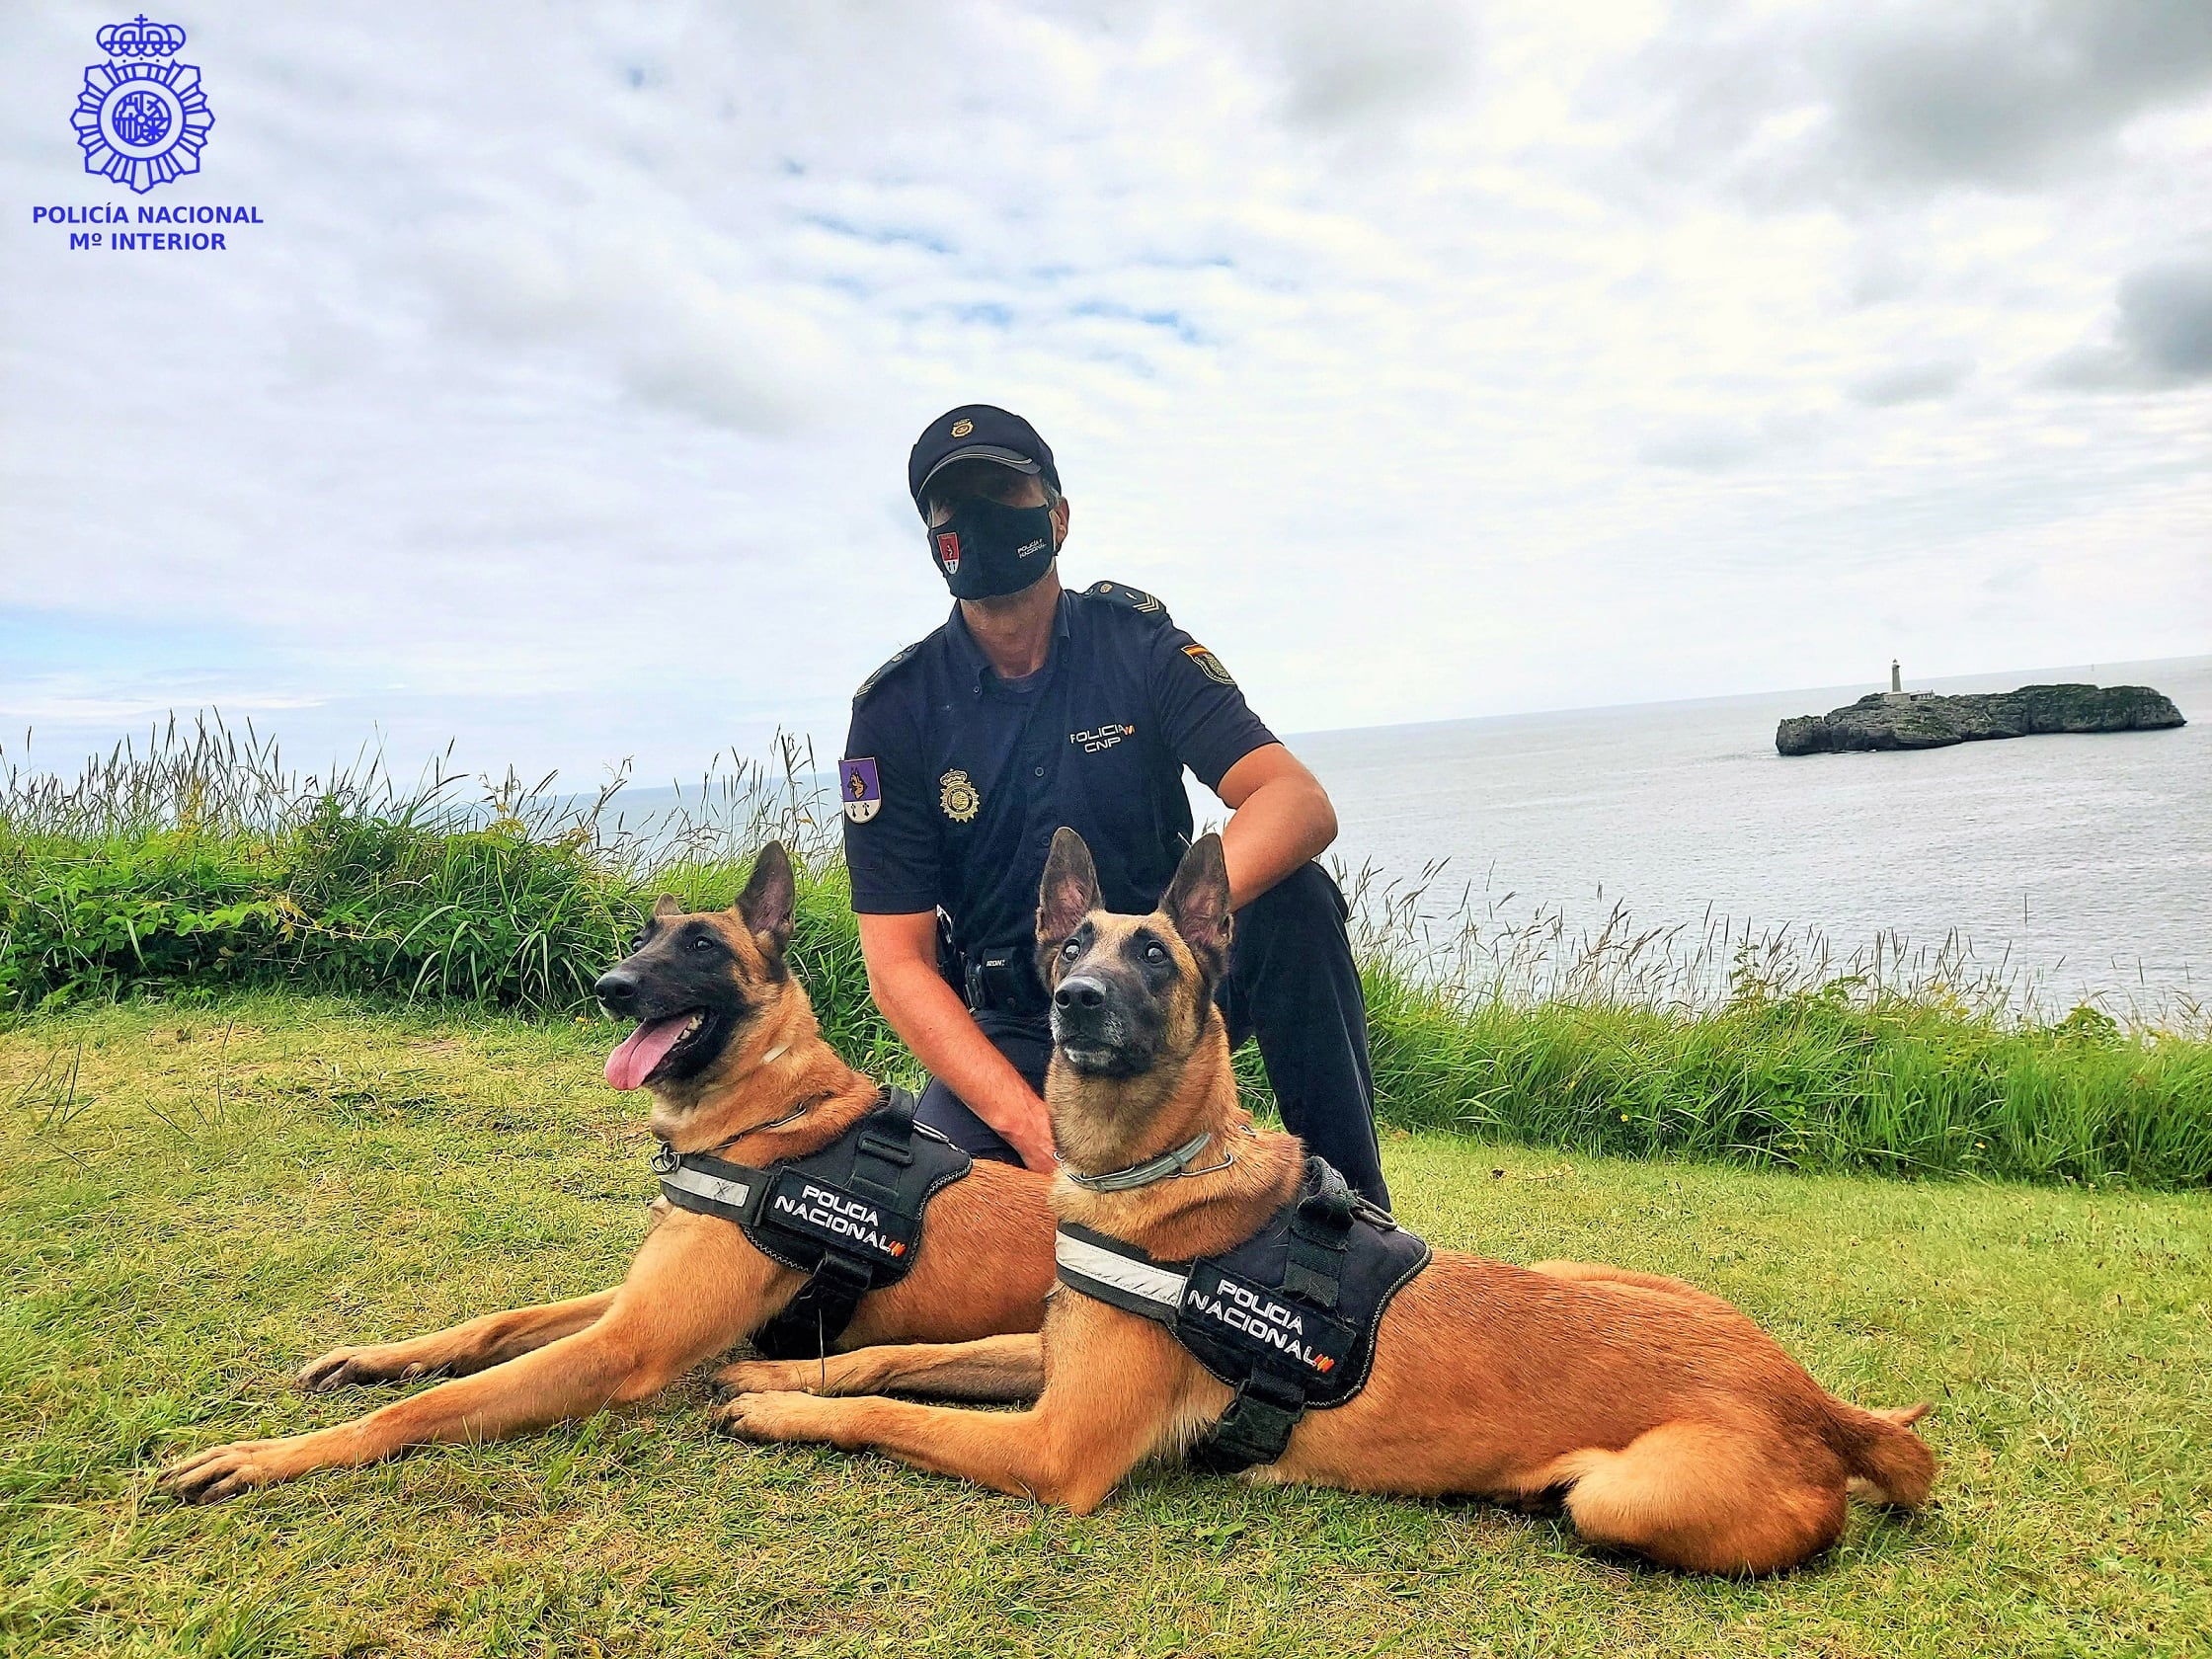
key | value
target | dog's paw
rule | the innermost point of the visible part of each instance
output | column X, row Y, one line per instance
column 342, row 1367
column 764, row 1376
column 771, row 1416
column 224, row 1472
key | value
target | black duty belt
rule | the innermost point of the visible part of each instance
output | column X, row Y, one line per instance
column 1004, row 983
column 850, row 1216
column 1287, row 1318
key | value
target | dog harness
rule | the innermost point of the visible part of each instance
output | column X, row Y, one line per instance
column 1287, row 1318
column 850, row 1216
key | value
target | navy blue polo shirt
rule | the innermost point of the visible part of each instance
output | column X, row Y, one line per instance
column 971, row 774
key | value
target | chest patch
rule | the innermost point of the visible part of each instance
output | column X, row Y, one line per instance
column 1278, row 1332
column 1104, row 737
column 813, row 1207
column 957, row 796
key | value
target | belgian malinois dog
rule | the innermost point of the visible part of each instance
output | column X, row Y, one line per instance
column 1665, row 1419
column 728, row 1047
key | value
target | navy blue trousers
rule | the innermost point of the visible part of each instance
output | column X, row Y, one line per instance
column 1292, row 985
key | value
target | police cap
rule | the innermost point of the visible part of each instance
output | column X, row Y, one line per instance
column 978, row 431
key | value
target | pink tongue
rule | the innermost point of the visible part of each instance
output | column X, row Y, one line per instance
column 643, row 1050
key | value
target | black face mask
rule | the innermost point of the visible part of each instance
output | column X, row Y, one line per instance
column 988, row 549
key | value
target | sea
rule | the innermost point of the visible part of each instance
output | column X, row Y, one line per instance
column 1663, row 849
column 2064, row 869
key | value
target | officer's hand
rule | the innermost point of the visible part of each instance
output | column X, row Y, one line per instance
column 1034, row 1142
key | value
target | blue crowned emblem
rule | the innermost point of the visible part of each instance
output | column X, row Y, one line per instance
column 141, row 117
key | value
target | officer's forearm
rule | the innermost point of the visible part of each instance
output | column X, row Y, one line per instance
column 1284, row 823
column 945, row 1038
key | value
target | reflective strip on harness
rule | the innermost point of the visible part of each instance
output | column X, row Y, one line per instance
column 734, row 1195
column 1086, row 1260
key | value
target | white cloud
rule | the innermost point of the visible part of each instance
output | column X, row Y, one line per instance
column 2166, row 318
column 1429, row 363
column 1911, row 382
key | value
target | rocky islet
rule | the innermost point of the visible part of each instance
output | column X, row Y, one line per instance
column 1925, row 720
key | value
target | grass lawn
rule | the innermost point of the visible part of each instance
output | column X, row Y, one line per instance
column 224, row 1194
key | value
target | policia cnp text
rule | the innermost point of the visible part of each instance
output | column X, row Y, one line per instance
column 1033, row 707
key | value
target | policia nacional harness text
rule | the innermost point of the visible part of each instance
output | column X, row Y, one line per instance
column 850, row 1216
column 1287, row 1318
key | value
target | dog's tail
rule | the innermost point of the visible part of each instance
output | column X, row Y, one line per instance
column 1888, row 1462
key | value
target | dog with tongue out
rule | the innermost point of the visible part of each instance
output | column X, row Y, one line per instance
column 640, row 1054
column 678, row 984
column 726, row 1045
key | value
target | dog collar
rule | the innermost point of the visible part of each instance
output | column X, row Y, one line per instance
column 668, row 1157
column 1145, row 1173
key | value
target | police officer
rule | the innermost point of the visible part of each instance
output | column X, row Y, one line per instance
column 1032, row 707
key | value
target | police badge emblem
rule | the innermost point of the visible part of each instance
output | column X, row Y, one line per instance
column 948, row 551
column 860, row 789
column 956, row 793
column 141, row 121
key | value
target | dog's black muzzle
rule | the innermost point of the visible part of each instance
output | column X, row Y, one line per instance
column 1102, row 1027
column 646, row 988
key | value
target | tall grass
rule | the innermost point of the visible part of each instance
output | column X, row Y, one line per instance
column 1768, row 1048
column 198, row 860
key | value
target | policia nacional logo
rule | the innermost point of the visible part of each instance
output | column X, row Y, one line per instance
column 956, row 793
column 141, row 117
column 820, row 1209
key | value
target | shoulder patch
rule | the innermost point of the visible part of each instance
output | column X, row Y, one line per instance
column 1208, row 662
column 885, row 672
column 1132, row 598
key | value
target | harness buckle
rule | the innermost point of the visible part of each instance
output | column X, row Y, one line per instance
column 1331, row 1206
column 1373, row 1213
column 1255, row 1429
column 812, row 1319
column 890, row 1152
column 840, row 1274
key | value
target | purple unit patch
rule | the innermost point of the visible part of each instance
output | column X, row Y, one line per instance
column 860, row 790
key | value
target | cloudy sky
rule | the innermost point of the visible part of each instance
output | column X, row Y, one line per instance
column 1429, row 360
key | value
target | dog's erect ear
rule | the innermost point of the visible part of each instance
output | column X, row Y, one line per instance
column 1197, row 902
column 769, row 896
column 1070, row 890
column 666, row 905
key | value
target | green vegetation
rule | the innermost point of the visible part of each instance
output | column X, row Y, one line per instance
column 1818, row 1079
column 195, row 1202
column 199, row 865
